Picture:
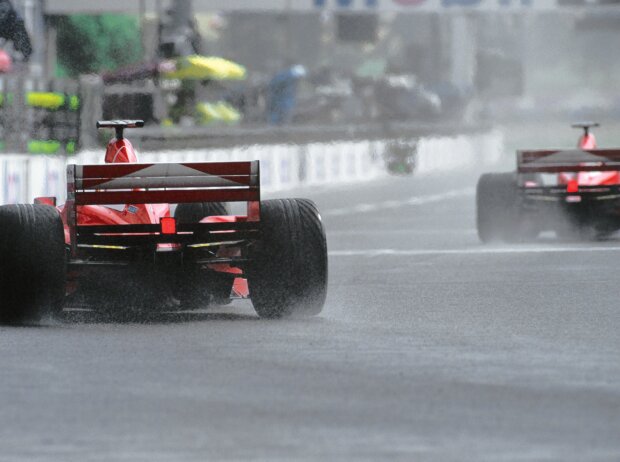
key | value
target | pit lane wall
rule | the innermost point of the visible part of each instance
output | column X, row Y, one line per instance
column 283, row 166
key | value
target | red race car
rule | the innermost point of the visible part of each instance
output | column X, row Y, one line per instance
column 138, row 236
column 574, row 192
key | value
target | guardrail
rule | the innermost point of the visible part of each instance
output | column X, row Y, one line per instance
column 283, row 166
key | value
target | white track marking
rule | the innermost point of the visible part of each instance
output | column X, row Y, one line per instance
column 391, row 204
column 472, row 251
column 406, row 232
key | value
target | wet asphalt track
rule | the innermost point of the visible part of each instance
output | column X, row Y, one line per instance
column 431, row 348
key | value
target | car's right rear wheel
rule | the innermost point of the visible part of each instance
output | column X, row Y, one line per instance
column 287, row 274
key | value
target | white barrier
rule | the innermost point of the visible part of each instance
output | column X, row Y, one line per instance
column 283, row 166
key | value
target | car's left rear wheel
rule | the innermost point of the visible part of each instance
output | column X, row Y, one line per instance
column 500, row 215
column 32, row 263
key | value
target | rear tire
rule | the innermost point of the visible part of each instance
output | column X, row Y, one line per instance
column 193, row 212
column 499, row 214
column 287, row 274
column 32, row 263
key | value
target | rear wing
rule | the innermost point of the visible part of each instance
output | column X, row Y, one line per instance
column 112, row 184
column 572, row 160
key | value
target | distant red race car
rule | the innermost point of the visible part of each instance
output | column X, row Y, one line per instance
column 574, row 192
column 116, row 243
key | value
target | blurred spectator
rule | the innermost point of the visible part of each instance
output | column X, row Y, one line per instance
column 12, row 29
column 401, row 97
column 179, row 39
column 6, row 63
column 282, row 94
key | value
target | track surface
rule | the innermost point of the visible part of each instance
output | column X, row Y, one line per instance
column 431, row 348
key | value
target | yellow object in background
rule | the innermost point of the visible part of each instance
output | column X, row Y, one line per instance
column 198, row 67
column 52, row 100
column 47, row 100
column 217, row 112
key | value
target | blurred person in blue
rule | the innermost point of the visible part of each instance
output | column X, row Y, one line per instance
column 282, row 94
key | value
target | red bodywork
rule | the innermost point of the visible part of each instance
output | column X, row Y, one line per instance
column 586, row 190
column 587, row 141
column 88, row 208
column 117, row 152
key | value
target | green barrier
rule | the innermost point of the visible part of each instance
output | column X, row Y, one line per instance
column 43, row 147
column 71, row 147
column 6, row 98
column 52, row 100
column 74, row 102
column 2, row 145
column 50, row 147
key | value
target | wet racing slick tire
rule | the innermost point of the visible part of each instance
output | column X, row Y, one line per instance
column 32, row 263
column 499, row 214
column 193, row 289
column 193, row 212
column 287, row 272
